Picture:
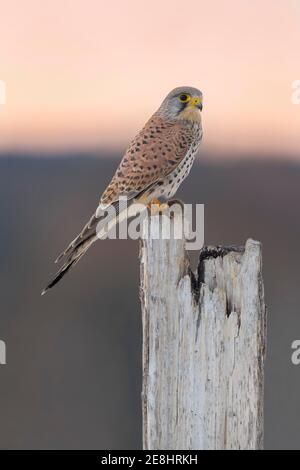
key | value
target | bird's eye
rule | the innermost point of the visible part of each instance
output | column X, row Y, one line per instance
column 184, row 98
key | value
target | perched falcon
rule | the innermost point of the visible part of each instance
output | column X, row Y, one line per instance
column 156, row 162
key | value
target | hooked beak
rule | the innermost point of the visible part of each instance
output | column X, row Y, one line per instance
column 196, row 103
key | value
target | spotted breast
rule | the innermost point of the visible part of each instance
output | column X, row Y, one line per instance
column 167, row 187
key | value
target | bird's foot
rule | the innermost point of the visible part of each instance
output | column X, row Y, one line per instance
column 157, row 207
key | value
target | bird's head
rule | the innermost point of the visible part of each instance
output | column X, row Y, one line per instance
column 183, row 103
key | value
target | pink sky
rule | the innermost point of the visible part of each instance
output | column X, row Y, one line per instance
column 88, row 74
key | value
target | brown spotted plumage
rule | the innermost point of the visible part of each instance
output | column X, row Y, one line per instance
column 156, row 151
column 156, row 162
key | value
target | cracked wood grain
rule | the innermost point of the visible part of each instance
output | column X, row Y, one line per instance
column 204, row 337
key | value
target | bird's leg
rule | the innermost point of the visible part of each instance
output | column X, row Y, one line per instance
column 157, row 207
column 153, row 202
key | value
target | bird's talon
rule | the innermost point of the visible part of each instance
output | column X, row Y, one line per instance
column 157, row 207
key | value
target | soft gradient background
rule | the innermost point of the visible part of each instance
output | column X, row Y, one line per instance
column 89, row 73
column 82, row 77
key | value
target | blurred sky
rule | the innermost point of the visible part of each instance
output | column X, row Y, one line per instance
column 89, row 73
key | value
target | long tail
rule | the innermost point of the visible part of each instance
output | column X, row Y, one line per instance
column 76, row 249
column 79, row 246
column 73, row 259
column 89, row 234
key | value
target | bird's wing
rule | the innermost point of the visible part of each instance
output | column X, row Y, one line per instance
column 154, row 153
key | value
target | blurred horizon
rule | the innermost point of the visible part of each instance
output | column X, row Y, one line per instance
column 73, row 373
column 115, row 155
column 90, row 74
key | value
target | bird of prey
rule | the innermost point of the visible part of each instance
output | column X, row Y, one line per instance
column 156, row 162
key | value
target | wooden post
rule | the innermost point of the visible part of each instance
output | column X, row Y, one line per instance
column 204, row 337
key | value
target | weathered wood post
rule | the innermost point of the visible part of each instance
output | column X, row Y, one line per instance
column 204, row 337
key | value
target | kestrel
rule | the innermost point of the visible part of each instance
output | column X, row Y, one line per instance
column 156, row 162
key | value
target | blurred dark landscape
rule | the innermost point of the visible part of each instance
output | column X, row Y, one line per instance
column 73, row 373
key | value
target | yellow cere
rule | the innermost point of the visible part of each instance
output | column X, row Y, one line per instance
column 196, row 101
